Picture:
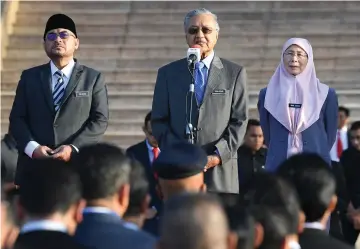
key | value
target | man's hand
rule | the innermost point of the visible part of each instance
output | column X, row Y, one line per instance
column 41, row 152
column 213, row 161
column 63, row 153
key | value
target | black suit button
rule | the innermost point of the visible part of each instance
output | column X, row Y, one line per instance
column 199, row 129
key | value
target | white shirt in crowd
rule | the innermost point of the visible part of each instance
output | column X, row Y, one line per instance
column 344, row 141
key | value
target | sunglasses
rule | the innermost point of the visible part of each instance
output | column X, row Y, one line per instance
column 63, row 35
column 195, row 30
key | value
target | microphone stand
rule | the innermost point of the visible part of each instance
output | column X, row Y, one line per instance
column 189, row 126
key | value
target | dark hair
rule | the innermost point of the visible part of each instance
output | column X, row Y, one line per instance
column 275, row 193
column 147, row 119
column 139, row 188
column 50, row 186
column 313, row 180
column 345, row 110
column 355, row 126
column 252, row 122
column 103, row 169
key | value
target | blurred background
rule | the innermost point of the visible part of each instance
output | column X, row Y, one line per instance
column 129, row 41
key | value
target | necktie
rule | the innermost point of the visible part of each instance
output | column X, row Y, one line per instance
column 339, row 146
column 156, row 154
column 59, row 90
column 199, row 81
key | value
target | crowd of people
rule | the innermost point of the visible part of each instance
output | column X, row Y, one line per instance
column 286, row 181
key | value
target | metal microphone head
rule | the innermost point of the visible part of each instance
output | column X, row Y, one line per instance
column 193, row 55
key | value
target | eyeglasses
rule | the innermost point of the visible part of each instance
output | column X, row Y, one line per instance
column 291, row 54
column 63, row 35
column 195, row 30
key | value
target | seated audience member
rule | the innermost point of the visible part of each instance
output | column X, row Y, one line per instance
column 146, row 152
column 275, row 206
column 251, row 155
column 316, row 188
column 240, row 220
column 11, row 220
column 180, row 168
column 137, row 211
column 195, row 221
column 350, row 160
column 50, row 197
column 105, row 173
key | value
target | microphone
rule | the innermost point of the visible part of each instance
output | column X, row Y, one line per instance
column 193, row 55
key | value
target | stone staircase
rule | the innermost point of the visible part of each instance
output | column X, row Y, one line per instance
column 129, row 41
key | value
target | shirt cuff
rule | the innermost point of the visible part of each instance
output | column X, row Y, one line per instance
column 30, row 147
column 77, row 150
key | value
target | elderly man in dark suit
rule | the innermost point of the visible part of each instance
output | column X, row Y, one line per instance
column 220, row 103
column 61, row 105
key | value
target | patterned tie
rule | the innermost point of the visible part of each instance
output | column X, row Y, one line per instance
column 199, row 81
column 59, row 90
column 339, row 145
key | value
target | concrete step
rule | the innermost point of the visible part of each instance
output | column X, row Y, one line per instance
column 257, row 62
column 258, row 76
column 179, row 52
column 227, row 27
column 182, row 5
column 350, row 38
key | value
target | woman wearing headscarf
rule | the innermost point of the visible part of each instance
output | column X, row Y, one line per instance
column 297, row 112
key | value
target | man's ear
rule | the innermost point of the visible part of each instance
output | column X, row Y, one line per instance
column 232, row 240
column 259, row 235
column 301, row 224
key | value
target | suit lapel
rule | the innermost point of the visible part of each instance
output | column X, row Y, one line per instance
column 214, row 78
column 45, row 75
column 73, row 81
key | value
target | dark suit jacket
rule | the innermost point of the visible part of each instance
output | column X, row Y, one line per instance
column 46, row 240
column 9, row 157
column 220, row 120
column 318, row 138
column 316, row 239
column 104, row 231
column 82, row 117
column 140, row 153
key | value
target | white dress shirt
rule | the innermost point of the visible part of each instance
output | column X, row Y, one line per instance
column 43, row 225
column 67, row 71
column 344, row 141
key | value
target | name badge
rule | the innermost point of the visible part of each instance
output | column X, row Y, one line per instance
column 296, row 106
column 82, row 94
column 219, row 92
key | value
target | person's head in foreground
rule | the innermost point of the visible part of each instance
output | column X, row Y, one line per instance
column 195, row 221
column 273, row 200
column 314, row 183
column 355, row 135
column 52, row 191
column 104, row 170
column 180, row 168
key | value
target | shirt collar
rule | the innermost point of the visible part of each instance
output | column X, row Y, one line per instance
column 314, row 225
column 99, row 210
column 41, row 225
column 149, row 146
column 67, row 70
column 207, row 61
column 131, row 225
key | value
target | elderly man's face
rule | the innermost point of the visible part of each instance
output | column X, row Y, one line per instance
column 60, row 43
column 202, row 31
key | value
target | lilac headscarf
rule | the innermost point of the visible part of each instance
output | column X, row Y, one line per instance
column 304, row 88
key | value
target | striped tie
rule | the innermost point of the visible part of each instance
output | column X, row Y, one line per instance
column 59, row 90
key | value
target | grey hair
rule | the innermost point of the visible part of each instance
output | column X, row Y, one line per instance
column 197, row 12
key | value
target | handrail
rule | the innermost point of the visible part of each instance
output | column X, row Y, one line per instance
column 8, row 19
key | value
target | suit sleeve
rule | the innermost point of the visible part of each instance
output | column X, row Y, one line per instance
column 19, row 115
column 331, row 117
column 264, row 117
column 160, row 113
column 97, row 122
column 228, row 145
